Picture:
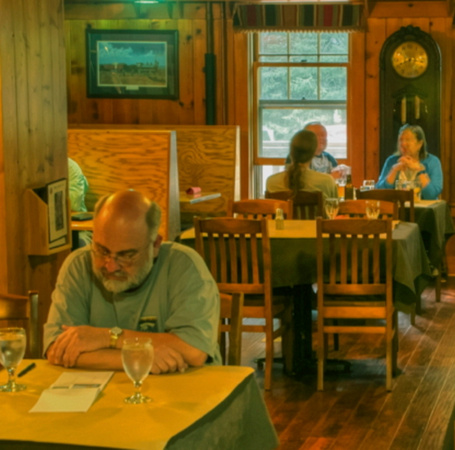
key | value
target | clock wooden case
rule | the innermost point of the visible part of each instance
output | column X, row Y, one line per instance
column 410, row 88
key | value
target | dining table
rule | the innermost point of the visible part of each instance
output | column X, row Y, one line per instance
column 436, row 226
column 293, row 253
column 209, row 407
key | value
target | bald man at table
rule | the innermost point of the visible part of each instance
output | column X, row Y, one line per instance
column 129, row 283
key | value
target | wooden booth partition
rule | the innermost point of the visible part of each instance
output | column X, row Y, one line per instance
column 208, row 157
column 144, row 160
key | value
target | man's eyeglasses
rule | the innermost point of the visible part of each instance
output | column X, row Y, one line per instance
column 123, row 259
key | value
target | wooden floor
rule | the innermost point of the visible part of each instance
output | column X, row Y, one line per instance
column 355, row 411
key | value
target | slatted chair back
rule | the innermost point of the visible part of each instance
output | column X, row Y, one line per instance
column 259, row 208
column 237, row 252
column 354, row 277
column 307, row 204
column 231, row 314
column 22, row 311
column 357, row 208
column 403, row 198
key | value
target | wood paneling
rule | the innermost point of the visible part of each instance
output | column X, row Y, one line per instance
column 32, row 133
column 233, row 88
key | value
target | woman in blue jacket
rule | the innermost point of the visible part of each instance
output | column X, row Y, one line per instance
column 413, row 162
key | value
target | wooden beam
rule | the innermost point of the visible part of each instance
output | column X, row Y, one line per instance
column 410, row 9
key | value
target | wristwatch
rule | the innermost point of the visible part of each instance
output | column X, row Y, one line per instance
column 114, row 334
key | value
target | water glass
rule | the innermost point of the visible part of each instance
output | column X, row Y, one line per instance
column 137, row 360
column 372, row 208
column 12, row 350
column 331, row 207
column 408, row 185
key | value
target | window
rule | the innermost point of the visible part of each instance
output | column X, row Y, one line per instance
column 298, row 78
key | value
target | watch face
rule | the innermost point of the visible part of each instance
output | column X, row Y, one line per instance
column 117, row 331
column 410, row 59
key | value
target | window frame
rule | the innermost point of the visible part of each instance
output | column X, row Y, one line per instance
column 287, row 104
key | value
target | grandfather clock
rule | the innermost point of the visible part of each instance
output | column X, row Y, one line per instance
column 410, row 88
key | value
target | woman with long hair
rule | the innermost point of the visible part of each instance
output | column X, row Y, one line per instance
column 412, row 162
column 298, row 175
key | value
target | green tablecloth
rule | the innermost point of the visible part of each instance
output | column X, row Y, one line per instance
column 436, row 226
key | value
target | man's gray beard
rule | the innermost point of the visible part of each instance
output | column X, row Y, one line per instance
column 117, row 286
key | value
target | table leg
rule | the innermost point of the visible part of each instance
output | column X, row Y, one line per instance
column 303, row 341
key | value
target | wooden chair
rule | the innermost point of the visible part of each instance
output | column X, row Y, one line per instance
column 403, row 199
column 307, row 204
column 231, row 314
column 354, row 273
column 259, row 208
column 237, row 251
column 357, row 208
column 22, row 311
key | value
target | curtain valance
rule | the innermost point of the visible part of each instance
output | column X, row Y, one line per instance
column 298, row 18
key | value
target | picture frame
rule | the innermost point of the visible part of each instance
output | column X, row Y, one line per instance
column 58, row 212
column 132, row 64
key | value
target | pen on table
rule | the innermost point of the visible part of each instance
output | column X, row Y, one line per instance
column 26, row 370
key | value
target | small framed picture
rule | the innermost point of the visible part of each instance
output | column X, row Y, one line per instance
column 132, row 63
column 58, row 214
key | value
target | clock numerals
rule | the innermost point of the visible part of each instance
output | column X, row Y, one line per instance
column 410, row 60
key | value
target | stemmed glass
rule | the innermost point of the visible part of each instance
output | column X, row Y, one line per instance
column 331, row 207
column 12, row 350
column 137, row 359
column 372, row 208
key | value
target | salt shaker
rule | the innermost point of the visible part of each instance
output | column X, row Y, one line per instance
column 279, row 219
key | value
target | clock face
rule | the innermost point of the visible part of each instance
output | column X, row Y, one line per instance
column 410, row 59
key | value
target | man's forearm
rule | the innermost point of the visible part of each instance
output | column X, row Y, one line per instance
column 108, row 358
column 191, row 355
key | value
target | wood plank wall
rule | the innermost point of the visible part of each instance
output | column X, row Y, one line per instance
column 33, row 125
column 379, row 29
column 233, row 96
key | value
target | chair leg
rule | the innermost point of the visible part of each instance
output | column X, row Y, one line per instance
column 322, row 354
column 395, row 346
column 287, row 340
column 438, row 284
column 268, row 356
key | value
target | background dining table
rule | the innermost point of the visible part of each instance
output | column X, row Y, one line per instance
column 293, row 251
column 436, row 225
column 219, row 407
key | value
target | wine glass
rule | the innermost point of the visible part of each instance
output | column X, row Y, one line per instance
column 12, row 349
column 373, row 208
column 137, row 359
column 331, row 207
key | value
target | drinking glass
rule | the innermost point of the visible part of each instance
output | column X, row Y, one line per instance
column 137, row 359
column 372, row 208
column 331, row 207
column 341, row 183
column 12, row 349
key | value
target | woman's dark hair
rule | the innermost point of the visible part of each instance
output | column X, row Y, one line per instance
column 302, row 149
column 419, row 134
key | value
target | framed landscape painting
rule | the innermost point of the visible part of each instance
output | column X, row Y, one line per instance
column 132, row 63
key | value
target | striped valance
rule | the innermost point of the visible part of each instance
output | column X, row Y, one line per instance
column 300, row 18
